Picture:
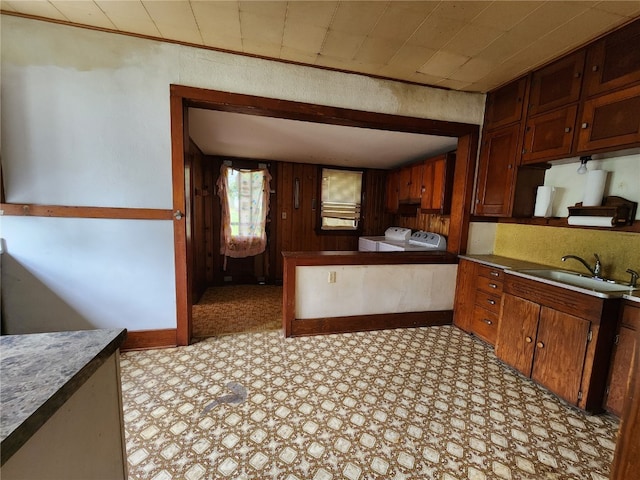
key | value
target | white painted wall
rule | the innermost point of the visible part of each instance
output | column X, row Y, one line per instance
column 373, row 289
column 623, row 180
column 85, row 121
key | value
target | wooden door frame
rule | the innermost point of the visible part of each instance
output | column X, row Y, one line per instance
column 183, row 97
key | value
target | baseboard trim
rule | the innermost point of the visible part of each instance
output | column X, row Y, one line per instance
column 360, row 323
column 146, row 339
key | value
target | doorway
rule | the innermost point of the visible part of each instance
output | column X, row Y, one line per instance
column 184, row 97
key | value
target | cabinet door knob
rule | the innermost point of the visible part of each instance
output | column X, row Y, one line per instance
column 585, row 125
column 567, row 129
column 493, row 285
column 528, row 339
column 595, row 68
column 491, row 302
column 540, row 345
column 487, row 321
column 577, row 74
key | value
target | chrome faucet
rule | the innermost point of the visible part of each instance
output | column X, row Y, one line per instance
column 596, row 271
column 634, row 277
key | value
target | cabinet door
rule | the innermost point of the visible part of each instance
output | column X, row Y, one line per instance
column 504, row 106
column 621, row 359
column 619, row 370
column 556, row 85
column 497, row 172
column 611, row 121
column 415, row 187
column 549, row 135
column 515, row 341
column 560, row 351
column 391, row 198
column 410, row 187
column 614, row 61
column 465, row 291
column 437, row 182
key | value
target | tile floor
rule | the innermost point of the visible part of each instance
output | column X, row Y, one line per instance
column 424, row 403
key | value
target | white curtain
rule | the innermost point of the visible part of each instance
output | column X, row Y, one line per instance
column 244, row 195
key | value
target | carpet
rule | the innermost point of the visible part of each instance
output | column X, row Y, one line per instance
column 237, row 309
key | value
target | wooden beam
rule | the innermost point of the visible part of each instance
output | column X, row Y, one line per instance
column 61, row 211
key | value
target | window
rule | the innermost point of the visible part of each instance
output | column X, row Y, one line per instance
column 244, row 195
column 341, row 197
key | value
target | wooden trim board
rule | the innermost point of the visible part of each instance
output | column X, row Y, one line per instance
column 361, row 323
column 146, row 339
column 62, row 211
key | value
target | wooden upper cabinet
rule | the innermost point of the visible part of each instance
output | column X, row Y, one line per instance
column 549, row 135
column 392, row 201
column 614, row 61
column 497, row 172
column 557, row 84
column 437, row 184
column 610, row 121
column 410, row 187
column 504, row 106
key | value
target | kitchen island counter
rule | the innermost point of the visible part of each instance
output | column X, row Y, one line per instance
column 41, row 372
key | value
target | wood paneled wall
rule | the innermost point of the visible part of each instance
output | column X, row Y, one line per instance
column 290, row 228
column 424, row 221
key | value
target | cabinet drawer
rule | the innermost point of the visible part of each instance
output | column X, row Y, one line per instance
column 488, row 301
column 631, row 317
column 490, row 272
column 485, row 324
column 489, row 285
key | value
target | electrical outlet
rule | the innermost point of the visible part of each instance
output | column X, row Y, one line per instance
column 332, row 277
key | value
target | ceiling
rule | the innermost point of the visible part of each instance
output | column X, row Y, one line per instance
column 267, row 138
column 461, row 45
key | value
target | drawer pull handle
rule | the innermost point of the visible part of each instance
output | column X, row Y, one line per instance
column 528, row 339
column 540, row 345
column 487, row 321
column 493, row 285
column 494, row 274
column 491, row 302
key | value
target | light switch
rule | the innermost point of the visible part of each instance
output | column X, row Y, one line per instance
column 332, row 277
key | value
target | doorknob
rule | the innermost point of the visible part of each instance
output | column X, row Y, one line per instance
column 178, row 214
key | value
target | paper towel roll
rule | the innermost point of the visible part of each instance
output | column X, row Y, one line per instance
column 590, row 221
column 594, row 189
column 544, row 201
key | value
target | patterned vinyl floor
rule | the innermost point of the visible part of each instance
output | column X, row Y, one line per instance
column 424, row 403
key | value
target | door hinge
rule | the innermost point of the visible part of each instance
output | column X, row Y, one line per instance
column 580, row 395
column 590, row 336
column 616, row 340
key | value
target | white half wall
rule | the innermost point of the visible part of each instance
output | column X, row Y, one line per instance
column 85, row 122
column 373, row 289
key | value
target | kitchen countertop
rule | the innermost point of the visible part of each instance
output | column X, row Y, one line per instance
column 504, row 262
column 507, row 263
column 39, row 372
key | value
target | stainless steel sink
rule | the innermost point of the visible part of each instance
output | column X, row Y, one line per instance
column 576, row 281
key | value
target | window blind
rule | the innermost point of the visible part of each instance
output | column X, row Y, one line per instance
column 341, row 197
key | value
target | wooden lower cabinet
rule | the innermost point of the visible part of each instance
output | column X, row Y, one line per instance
column 625, row 345
column 559, row 338
column 477, row 301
